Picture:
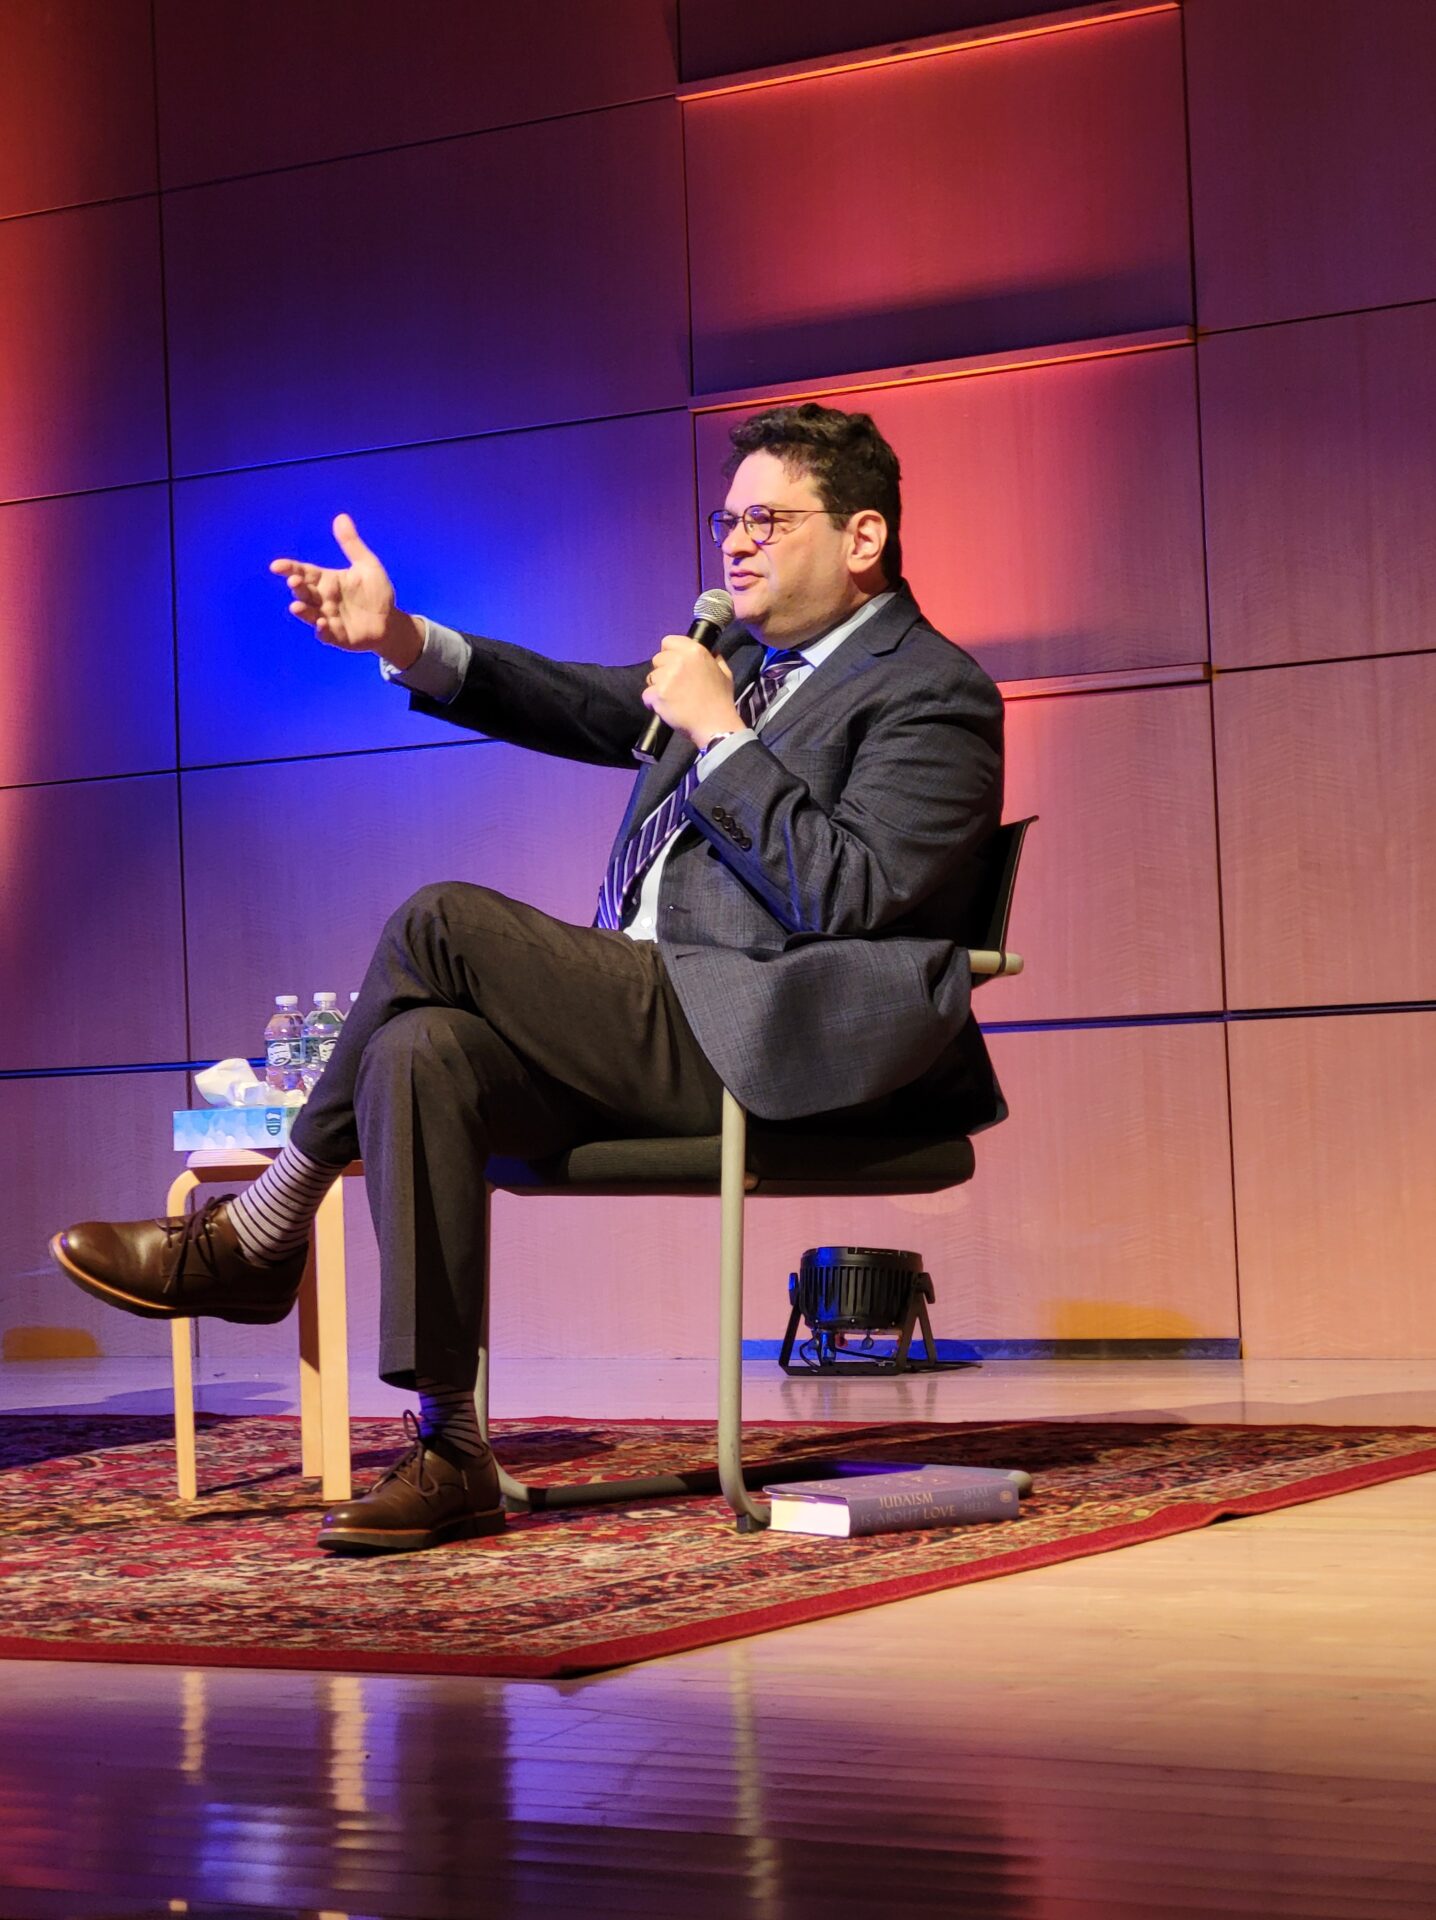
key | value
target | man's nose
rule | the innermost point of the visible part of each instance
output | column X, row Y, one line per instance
column 739, row 540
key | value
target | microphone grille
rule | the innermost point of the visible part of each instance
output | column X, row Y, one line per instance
column 715, row 605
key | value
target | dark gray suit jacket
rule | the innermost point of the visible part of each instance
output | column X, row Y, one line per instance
column 815, row 923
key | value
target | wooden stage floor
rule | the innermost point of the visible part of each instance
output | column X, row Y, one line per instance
column 1239, row 1721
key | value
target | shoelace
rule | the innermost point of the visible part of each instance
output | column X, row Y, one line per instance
column 190, row 1230
column 414, row 1456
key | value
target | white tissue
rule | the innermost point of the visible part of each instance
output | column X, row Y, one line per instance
column 233, row 1083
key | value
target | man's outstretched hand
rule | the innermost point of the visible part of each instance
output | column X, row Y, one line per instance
column 352, row 607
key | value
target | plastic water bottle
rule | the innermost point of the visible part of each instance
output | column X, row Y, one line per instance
column 321, row 1030
column 284, row 1045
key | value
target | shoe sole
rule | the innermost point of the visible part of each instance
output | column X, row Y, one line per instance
column 146, row 1309
column 367, row 1540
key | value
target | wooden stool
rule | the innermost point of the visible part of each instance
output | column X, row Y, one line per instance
column 323, row 1330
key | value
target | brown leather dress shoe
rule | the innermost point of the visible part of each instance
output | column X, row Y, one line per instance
column 169, row 1269
column 431, row 1494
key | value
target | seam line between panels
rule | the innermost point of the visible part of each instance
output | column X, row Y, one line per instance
column 358, row 453
column 1326, row 660
column 328, row 160
column 173, row 558
column 1216, row 813
column 413, row 146
column 1081, row 1024
column 1309, row 319
column 697, row 477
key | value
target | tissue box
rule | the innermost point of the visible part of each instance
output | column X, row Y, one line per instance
column 201, row 1127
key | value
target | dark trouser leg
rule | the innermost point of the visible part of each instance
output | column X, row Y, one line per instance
column 593, row 1009
column 484, row 1026
column 439, row 1091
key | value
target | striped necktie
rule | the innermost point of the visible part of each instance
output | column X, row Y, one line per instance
column 641, row 849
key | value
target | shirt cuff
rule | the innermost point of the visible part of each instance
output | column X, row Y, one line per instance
column 439, row 670
column 715, row 756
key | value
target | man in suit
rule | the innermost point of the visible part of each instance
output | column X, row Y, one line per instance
column 783, row 913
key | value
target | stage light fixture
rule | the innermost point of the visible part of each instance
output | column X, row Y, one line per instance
column 853, row 1296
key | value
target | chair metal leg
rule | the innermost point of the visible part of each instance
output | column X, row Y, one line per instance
column 752, row 1514
column 523, row 1497
column 519, row 1495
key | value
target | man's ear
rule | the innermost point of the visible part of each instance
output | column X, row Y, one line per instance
column 868, row 533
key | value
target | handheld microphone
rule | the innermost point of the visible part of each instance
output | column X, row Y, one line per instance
column 712, row 611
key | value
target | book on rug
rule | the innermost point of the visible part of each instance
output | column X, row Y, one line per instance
column 854, row 1504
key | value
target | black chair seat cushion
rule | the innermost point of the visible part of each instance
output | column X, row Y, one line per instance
column 779, row 1162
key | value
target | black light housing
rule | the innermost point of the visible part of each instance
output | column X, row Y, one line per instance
column 847, row 1293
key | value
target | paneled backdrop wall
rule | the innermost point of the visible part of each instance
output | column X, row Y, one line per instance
column 1145, row 296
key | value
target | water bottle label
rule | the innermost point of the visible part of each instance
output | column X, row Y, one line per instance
column 320, row 1050
column 280, row 1053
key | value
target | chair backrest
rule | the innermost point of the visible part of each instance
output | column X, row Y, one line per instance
column 992, row 905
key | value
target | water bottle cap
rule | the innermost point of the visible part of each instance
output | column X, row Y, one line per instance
column 286, row 999
column 325, row 999
column 354, row 996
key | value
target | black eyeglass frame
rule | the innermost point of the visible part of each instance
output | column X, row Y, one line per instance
column 721, row 523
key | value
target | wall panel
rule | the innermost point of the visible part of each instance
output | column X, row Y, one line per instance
column 731, row 36
column 1102, row 1209
column 90, row 670
column 1116, row 910
column 1328, row 832
column 51, row 1184
column 90, row 940
column 291, row 871
column 80, row 350
column 518, row 277
column 531, row 537
column 1313, row 156
column 1334, row 1131
column 1320, row 487
column 240, row 93
column 1051, row 516
column 1000, row 196
column 76, row 102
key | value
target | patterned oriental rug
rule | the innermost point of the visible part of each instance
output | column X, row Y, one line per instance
column 99, row 1561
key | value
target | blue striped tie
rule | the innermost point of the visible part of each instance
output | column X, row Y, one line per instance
column 641, row 849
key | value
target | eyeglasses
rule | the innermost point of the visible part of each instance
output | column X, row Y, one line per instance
column 759, row 523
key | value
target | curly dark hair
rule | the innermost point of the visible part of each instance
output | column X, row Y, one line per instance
column 843, row 454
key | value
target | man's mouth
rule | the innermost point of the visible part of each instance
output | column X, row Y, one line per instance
column 741, row 580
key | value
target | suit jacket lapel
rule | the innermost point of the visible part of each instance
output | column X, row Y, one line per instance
column 877, row 635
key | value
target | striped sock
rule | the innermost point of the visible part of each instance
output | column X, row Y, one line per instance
column 273, row 1214
column 449, row 1414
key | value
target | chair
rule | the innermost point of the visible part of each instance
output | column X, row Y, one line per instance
column 739, row 1161
column 733, row 1164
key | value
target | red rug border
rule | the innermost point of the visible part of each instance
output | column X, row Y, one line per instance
column 603, row 1656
